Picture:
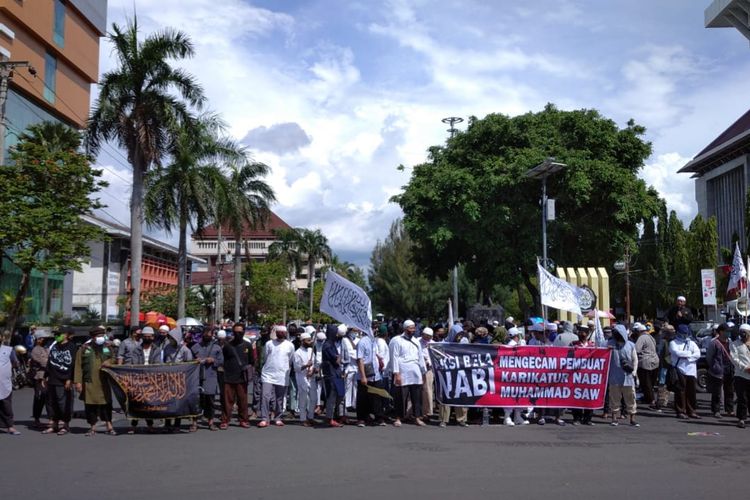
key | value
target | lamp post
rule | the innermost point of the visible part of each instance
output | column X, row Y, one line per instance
column 623, row 266
column 541, row 172
column 451, row 121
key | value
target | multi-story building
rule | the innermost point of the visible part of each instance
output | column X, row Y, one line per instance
column 722, row 176
column 255, row 243
column 59, row 42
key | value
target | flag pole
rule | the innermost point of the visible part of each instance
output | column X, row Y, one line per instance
column 544, row 308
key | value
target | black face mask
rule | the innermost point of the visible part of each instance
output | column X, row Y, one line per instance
column 206, row 340
column 147, row 341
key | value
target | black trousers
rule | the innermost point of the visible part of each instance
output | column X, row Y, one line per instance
column 685, row 399
column 98, row 412
column 6, row 412
column 742, row 388
column 648, row 379
column 583, row 416
column 718, row 387
column 134, row 422
column 369, row 403
column 60, row 402
column 404, row 393
column 207, row 405
column 40, row 401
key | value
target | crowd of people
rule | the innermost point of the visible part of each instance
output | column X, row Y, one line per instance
column 332, row 375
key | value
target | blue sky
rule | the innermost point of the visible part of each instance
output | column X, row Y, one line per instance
column 335, row 94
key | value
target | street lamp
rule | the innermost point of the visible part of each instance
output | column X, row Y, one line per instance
column 623, row 266
column 451, row 121
column 542, row 171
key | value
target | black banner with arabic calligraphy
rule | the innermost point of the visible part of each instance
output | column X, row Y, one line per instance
column 157, row 391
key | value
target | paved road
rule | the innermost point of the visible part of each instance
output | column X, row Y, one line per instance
column 658, row 460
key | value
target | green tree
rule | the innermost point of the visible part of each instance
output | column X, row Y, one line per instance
column 44, row 196
column 244, row 201
column 286, row 249
column 53, row 136
column 472, row 203
column 206, row 299
column 397, row 286
column 141, row 103
column 313, row 245
column 182, row 191
column 703, row 244
column 269, row 293
column 346, row 269
column 164, row 300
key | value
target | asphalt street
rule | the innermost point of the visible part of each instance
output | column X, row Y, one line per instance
column 661, row 459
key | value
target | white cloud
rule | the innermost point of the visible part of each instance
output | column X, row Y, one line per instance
column 677, row 190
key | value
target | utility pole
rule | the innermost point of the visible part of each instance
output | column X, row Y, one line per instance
column 451, row 121
column 627, row 286
column 219, row 314
column 6, row 73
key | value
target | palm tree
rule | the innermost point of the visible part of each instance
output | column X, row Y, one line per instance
column 53, row 136
column 140, row 104
column 243, row 201
column 314, row 246
column 206, row 296
column 286, row 248
column 182, row 192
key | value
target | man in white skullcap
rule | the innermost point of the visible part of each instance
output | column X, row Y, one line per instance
column 407, row 364
column 305, row 372
column 517, row 417
column 278, row 355
column 429, row 378
column 350, row 370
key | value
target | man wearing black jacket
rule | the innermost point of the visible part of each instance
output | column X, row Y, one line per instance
column 59, row 374
column 679, row 314
column 238, row 358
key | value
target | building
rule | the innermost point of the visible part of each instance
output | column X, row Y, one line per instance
column 256, row 242
column 60, row 40
column 103, row 284
column 729, row 14
column 722, row 176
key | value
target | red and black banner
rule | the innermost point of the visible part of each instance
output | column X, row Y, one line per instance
column 157, row 391
column 480, row 375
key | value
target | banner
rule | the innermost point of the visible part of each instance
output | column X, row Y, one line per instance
column 558, row 293
column 481, row 375
column 738, row 276
column 708, row 284
column 157, row 391
column 346, row 302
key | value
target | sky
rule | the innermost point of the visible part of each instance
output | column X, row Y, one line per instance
column 333, row 95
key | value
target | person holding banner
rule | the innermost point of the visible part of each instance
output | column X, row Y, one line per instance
column 407, row 363
column 368, row 375
column 146, row 353
column 210, row 356
column 517, row 418
column 92, row 384
column 622, row 369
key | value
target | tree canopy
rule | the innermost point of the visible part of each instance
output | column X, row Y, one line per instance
column 471, row 202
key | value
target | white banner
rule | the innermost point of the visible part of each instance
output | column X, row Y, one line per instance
column 708, row 284
column 738, row 277
column 558, row 293
column 346, row 302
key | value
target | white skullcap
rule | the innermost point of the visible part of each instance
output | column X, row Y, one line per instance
column 552, row 327
column 305, row 336
column 310, row 329
column 279, row 328
column 407, row 324
column 682, row 298
column 221, row 334
column 641, row 328
column 321, row 336
column 147, row 331
column 509, row 319
column 513, row 332
column 342, row 329
column 428, row 331
column 730, row 324
column 164, row 328
column 745, row 327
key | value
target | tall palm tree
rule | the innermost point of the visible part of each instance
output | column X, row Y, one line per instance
column 140, row 104
column 54, row 136
column 286, row 249
column 314, row 246
column 182, row 192
column 244, row 201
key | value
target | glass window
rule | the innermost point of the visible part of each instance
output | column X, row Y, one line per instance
column 50, row 68
column 59, row 30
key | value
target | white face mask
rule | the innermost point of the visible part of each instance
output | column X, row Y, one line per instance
column 100, row 340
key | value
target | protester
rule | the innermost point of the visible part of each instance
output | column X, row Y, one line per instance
column 513, row 416
column 210, row 356
column 350, row 369
column 59, row 376
column 128, row 346
column 175, row 351
column 622, row 369
column 567, row 337
column 305, row 372
column 648, row 364
column 407, row 363
column 335, row 357
column 429, row 377
column 237, row 362
column 369, row 376
column 666, row 334
column 161, row 337
column 740, row 353
column 684, row 356
column 583, row 416
column 679, row 314
column 92, row 383
column 39, row 357
column 278, row 355
column 146, row 353
column 320, row 340
column 8, row 361
column 720, row 377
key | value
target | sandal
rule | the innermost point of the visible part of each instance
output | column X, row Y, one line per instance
column 62, row 431
column 194, row 428
column 49, row 430
column 91, row 433
column 111, row 432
